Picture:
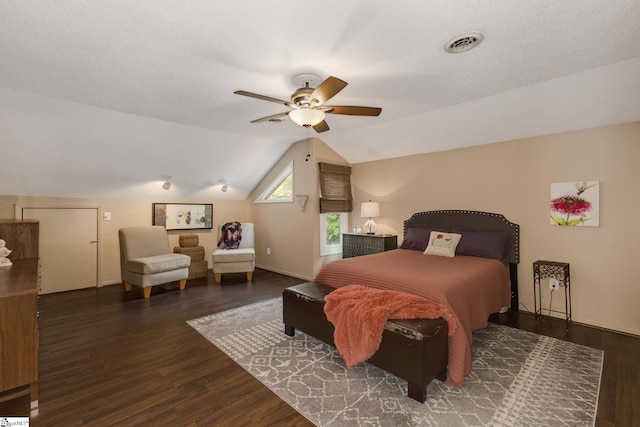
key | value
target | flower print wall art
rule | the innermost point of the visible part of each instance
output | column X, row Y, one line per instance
column 575, row 203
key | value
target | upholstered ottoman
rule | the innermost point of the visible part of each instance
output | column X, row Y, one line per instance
column 415, row 350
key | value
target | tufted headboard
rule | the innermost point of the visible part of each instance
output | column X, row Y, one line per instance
column 474, row 220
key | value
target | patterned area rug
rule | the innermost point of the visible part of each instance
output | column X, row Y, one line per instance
column 518, row 378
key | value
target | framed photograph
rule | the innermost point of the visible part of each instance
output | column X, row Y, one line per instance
column 183, row 216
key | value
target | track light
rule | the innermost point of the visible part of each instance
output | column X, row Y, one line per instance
column 224, row 187
column 167, row 182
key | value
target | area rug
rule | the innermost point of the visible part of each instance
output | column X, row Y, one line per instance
column 518, row 378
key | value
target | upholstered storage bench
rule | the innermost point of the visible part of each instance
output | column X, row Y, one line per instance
column 415, row 350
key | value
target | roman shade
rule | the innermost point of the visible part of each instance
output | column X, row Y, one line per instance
column 335, row 188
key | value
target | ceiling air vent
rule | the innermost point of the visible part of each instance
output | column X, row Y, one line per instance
column 463, row 42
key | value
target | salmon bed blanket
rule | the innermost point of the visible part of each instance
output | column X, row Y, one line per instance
column 472, row 288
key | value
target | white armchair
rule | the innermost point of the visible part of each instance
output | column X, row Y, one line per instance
column 241, row 260
column 146, row 259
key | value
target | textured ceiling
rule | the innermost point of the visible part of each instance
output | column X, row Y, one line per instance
column 543, row 67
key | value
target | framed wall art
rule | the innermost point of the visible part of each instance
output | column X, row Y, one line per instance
column 183, row 216
column 575, row 204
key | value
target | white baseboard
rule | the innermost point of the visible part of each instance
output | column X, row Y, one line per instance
column 286, row 273
column 110, row 282
column 275, row 270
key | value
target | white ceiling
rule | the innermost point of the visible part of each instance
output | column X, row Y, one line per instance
column 172, row 66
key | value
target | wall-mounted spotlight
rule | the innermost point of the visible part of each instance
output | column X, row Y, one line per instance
column 167, row 182
column 224, row 187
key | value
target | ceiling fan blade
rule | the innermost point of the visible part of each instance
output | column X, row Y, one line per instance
column 327, row 90
column 351, row 110
column 268, row 118
column 263, row 97
column 321, row 127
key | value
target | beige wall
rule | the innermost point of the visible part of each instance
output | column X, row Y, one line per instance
column 125, row 213
column 291, row 233
column 513, row 178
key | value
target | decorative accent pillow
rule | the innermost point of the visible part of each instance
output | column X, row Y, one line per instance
column 416, row 239
column 231, row 235
column 485, row 244
column 442, row 244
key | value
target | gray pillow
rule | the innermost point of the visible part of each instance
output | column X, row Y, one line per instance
column 416, row 239
column 485, row 244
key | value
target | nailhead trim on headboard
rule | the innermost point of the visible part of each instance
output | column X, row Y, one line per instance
column 476, row 220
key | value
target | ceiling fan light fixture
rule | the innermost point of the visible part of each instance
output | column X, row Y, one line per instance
column 307, row 104
column 306, row 116
column 302, row 97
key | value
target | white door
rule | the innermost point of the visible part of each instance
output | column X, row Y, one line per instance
column 68, row 247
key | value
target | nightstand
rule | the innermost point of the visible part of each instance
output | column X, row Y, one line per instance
column 552, row 270
column 356, row 244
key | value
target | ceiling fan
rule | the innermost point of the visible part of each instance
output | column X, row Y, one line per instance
column 307, row 103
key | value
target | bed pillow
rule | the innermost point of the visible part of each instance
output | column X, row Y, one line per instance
column 442, row 244
column 485, row 244
column 416, row 239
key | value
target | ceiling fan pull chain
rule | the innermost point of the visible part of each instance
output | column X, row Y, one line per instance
column 308, row 141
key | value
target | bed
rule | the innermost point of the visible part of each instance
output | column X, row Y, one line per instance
column 481, row 279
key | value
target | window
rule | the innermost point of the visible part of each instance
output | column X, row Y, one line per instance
column 335, row 203
column 335, row 188
column 281, row 189
column 332, row 225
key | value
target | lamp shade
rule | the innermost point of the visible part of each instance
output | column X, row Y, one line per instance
column 306, row 116
column 370, row 209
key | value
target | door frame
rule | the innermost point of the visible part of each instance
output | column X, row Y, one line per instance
column 20, row 207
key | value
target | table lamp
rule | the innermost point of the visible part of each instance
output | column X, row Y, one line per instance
column 369, row 210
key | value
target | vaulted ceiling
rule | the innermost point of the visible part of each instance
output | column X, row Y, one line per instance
column 100, row 99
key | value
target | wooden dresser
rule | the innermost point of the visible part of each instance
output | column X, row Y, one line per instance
column 19, row 312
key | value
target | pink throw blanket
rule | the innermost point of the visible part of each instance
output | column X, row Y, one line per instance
column 359, row 314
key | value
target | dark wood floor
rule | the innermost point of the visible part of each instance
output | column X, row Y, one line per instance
column 619, row 399
column 110, row 358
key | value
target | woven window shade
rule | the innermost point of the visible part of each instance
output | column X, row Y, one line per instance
column 335, row 188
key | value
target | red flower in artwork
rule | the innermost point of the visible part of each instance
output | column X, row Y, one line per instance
column 572, row 208
column 571, row 205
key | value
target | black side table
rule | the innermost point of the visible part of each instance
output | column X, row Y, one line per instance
column 354, row 244
column 552, row 270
